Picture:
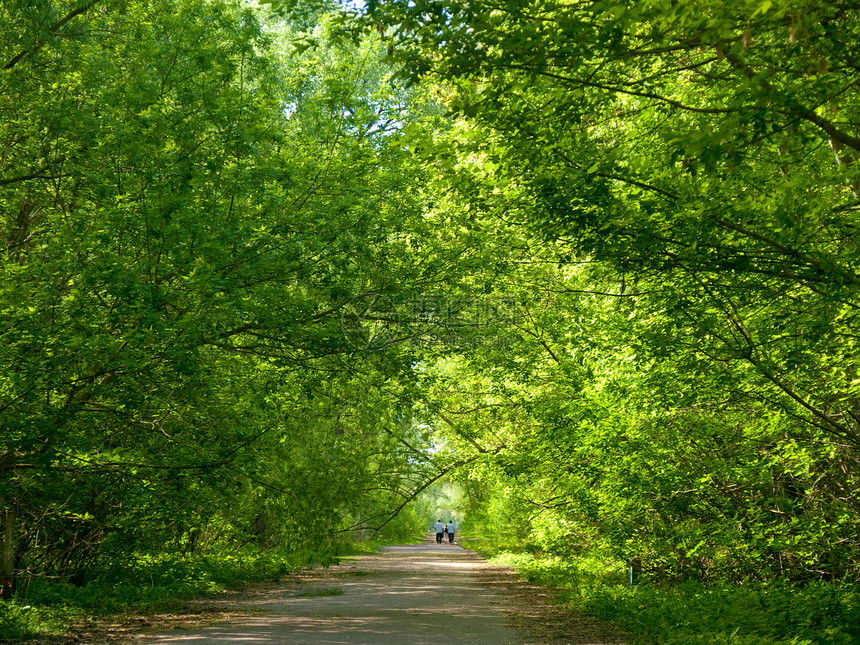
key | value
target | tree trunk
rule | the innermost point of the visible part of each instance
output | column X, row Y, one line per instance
column 7, row 554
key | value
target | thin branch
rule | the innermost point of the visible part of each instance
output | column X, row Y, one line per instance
column 53, row 29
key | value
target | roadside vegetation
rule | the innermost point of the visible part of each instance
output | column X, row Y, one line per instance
column 690, row 612
column 157, row 583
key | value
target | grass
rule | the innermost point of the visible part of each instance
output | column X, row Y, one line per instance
column 694, row 613
column 320, row 593
column 26, row 621
column 147, row 584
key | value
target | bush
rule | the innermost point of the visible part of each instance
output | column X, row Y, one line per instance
column 147, row 583
column 694, row 613
column 761, row 614
column 26, row 621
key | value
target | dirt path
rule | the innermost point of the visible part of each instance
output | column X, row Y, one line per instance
column 415, row 594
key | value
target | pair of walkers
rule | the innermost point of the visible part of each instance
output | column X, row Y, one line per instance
column 442, row 529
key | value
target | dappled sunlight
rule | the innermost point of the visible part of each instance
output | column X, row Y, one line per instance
column 458, row 565
column 393, row 598
column 387, row 599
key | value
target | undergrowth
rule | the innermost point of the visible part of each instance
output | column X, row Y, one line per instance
column 694, row 613
column 149, row 583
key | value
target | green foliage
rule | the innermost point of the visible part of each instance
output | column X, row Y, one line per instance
column 753, row 615
column 640, row 220
column 406, row 528
column 669, row 193
column 22, row 621
column 151, row 583
column 188, row 206
column 692, row 612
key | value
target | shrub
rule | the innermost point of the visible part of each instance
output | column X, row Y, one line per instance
column 695, row 613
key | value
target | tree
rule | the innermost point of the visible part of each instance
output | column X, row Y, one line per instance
column 694, row 164
column 188, row 208
column 688, row 144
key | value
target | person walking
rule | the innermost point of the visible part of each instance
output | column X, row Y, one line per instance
column 451, row 532
column 439, row 527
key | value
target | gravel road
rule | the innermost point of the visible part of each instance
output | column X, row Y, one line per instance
column 413, row 594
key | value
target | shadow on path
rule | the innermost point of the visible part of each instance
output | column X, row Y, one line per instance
column 416, row 594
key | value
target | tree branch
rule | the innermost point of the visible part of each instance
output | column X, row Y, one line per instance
column 53, row 29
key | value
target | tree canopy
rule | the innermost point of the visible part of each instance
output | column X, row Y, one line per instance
column 292, row 264
column 683, row 177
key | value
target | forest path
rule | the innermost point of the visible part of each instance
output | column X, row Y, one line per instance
column 416, row 594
